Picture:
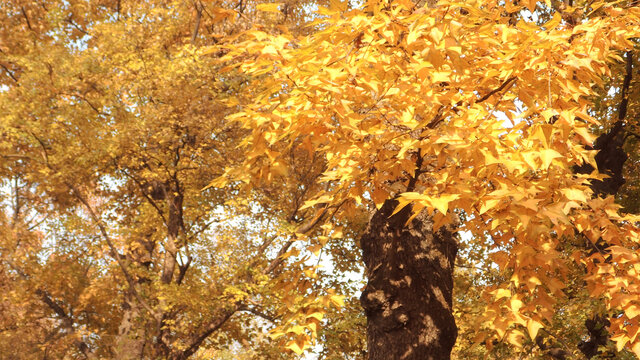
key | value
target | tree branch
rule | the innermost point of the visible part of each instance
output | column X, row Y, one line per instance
column 626, row 83
column 197, row 26
column 26, row 17
column 303, row 229
column 9, row 73
column 112, row 248
column 494, row 91
column 103, row 231
column 67, row 321
column 259, row 313
column 210, row 329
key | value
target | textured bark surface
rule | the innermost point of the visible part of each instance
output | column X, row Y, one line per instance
column 408, row 297
column 610, row 161
column 130, row 341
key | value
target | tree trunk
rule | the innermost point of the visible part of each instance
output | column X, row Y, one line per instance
column 131, row 337
column 408, row 297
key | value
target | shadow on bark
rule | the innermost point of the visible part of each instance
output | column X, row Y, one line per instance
column 408, row 297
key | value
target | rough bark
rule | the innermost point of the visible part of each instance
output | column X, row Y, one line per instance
column 408, row 297
column 130, row 341
column 610, row 161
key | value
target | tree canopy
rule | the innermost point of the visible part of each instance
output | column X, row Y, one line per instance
column 193, row 179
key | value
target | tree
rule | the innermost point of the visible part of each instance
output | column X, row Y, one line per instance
column 113, row 122
column 431, row 123
column 402, row 102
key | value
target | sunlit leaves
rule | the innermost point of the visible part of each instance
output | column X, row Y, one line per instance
column 409, row 104
column 114, row 116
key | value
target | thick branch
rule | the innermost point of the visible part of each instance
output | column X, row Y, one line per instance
column 213, row 327
column 622, row 109
column 67, row 321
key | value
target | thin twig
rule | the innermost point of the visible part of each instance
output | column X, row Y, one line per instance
column 492, row 92
column 9, row 73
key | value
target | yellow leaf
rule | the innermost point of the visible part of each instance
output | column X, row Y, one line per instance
column 392, row 91
column 515, row 338
column 440, row 76
column 621, row 340
column 269, row 7
column 296, row 329
column 547, row 156
column 337, row 300
column 293, row 346
column 488, row 205
column 533, row 327
column 585, row 134
column 276, row 334
column 555, row 21
column 543, row 133
column 529, row 159
column 338, row 5
column 379, row 196
column 436, row 35
column 575, row 194
column 503, row 293
column 270, row 50
column 316, row 315
column 321, row 200
column 516, row 304
column 315, row 249
column 442, row 203
column 313, row 327
column 531, row 5
column 413, row 35
column 221, row 14
column 632, row 311
column 530, row 204
column 636, row 348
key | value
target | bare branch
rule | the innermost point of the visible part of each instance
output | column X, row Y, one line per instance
column 77, row 27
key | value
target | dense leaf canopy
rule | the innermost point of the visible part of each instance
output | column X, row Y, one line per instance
column 176, row 174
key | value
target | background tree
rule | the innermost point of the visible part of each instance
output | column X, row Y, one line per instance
column 116, row 114
column 112, row 125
